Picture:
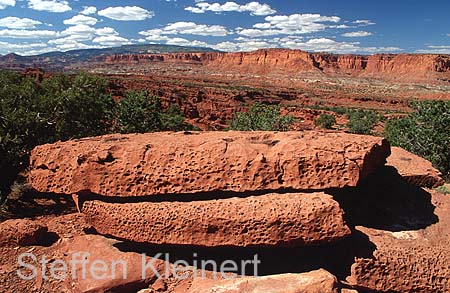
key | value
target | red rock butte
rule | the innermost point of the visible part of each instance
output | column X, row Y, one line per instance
column 288, row 62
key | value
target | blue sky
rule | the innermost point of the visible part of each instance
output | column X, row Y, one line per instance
column 341, row 26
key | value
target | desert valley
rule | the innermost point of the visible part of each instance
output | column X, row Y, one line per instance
column 324, row 210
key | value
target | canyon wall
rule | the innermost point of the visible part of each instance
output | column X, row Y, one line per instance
column 278, row 61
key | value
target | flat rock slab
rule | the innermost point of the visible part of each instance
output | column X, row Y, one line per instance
column 414, row 169
column 319, row 281
column 186, row 163
column 119, row 271
column 266, row 220
column 408, row 261
column 22, row 232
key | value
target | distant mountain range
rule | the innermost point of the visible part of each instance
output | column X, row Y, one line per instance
column 57, row 60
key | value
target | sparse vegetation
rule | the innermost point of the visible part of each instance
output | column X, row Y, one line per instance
column 325, row 121
column 139, row 112
column 361, row 121
column 65, row 107
column 261, row 117
column 425, row 132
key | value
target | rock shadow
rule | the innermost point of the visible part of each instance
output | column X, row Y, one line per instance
column 335, row 257
column 385, row 201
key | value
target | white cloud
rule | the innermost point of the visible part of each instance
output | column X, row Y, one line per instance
column 432, row 49
column 357, row 34
column 328, row 45
column 88, row 10
column 110, row 41
column 255, row 8
column 293, row 24
column 126, row 13
column 363, row 22
column 188, row 28
column 22, row 49
column 192, row 28
column 106, row 31
column 49, row 5
column 79, row 32
column 27, row 34
column 18, row 23
column 6, row 3
column 185, row 42
column 81, row 19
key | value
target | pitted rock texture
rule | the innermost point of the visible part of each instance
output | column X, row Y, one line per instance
column 266, row 220
column 186, row 163
column 319, row 281
column 408, row 261
column 414, row 169
column 21, row 232
column 115, row 271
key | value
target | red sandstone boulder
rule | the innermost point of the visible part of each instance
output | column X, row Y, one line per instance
column 408, row 261
column 414, row 169
column 319, row 281
column 123, row 271
column 293, row 219
column 186, row 163
column 21, row 232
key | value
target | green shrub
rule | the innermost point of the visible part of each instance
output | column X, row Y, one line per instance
column 425, row 132
column 139, row 112
column 65, row 107
column 325, row 121
column 77, row 107
column 261, row 117
column 361, row 121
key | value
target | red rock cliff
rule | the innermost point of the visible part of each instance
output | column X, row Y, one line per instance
column 264, row 61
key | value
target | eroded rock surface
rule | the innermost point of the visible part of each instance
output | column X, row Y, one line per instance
column 116, row 271
column 408, row 261
column 181, row 163
column 414, row 169
column 319, row 281
column 22, row 232
column 292, row 219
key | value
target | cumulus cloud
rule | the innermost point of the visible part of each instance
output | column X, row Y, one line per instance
column 23, row 48
column 126, row 13
column 88, row 10
column 363, row 22
column 188, row 28
column 81, row 19
column 6, row 3
column 329, row 45
column 18, row 23
column 433, row 49
column 49, row 5
column 293, row 24
column 357, row 34
column 27, row 34
column 110, row 40
column 255, row 8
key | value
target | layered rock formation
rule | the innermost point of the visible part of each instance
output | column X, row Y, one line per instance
column 285, row 61
column 188, row 163
column 318, row 281
column 236, row 192
column 414, row 169
column 266, row 220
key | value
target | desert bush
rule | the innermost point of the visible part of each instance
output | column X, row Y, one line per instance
column 361, row 121
column 425, row 132
column 325, row 121
column 261, row 117
column 60, row 108
column 140, row 112
column 77, row 107
column 64, row 107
